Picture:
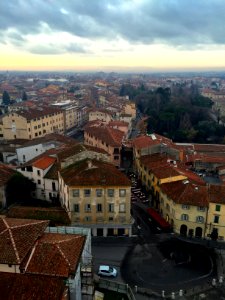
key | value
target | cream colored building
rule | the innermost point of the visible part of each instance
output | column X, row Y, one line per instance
column 216, row 214
column 100, row 114
column 73, row 115
column 32, row 123
column 96, row 194
column 185, row 206
column 130, row 109
column 107, row 139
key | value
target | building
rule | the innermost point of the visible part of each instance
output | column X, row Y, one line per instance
column 185, row 206
column 5, row 174
column 96, row 194
column 35, row 249
column 38, row 170
column 38, row 146
column 32, row 123
column 106, row 138
column 100, row 114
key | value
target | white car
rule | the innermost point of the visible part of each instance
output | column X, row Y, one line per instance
column 107, row 271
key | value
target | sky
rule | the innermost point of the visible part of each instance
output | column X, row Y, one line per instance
column 112, row 35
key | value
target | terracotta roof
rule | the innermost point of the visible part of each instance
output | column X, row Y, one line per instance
column 17, row 237
column 94, row 173
column 209, row 148
column 72, row 150
column 101, row 110
column 53, row 172
column 118, row 123
column 162, row 172
column 57, row 216
column 184, row 192
column 145, row 141
column 217, row 193
column 33, row 287
column 44, row 162
column 108, row 135
column 33, row 113
column 56, row 255
column 5, row 174
column 48, row 138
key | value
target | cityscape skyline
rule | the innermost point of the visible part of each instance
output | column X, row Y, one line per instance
column 129, row 35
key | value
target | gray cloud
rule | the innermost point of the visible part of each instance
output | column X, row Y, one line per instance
column 181, row 23
column 52, row 49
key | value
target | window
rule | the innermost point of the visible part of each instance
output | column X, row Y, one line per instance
column 199, row 219
column 184, row 217
column 87, row 219
column 38, row 172
column 39, row 181
column 110, row 218
column 167, row 207
column 98, row 192
column 87, row 193
column 116, row 157
column 122, row 193
column 122, row 208
column 87, row 207
column 76, row 193
column 218, row 207
column 110, row 192
column 53, row 186
column 99, row 207
column 216, row 219
column 201, row 208
column 76, row 208
column 111, row 207
column 185, row 206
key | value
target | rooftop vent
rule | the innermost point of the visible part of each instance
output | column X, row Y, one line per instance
column 185, row 181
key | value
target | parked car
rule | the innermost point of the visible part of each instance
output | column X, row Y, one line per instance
column 107, row 271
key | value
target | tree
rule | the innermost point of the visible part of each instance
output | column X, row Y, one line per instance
column 24, row 96
column 5, row 98
column 18, row 189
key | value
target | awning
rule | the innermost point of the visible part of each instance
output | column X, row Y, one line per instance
column 158, row 219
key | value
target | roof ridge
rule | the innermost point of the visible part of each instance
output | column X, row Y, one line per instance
column 63, row 255
column 12, row 240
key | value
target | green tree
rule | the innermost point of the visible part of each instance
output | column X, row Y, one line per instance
column 5, row 98
column 24, row 96
column 18, row 189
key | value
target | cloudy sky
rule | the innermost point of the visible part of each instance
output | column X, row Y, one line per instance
column 112, row 34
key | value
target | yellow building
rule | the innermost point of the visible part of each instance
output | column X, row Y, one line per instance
column 156, row 169
column 107, row 139
column 100, row 114
column 96, row 194
column 216, row 214
column 32, row 123
column 130, row 109
column 185, row 206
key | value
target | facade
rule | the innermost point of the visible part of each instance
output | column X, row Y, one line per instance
column 38, row 146
column 38, row 171
column 97, row 195
column 130, row 109
column 100, row 114
column 108, row 139
column 32, row 123
column 216, row 214
column 74, row 115
column 5, row 174
column 185, row 206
